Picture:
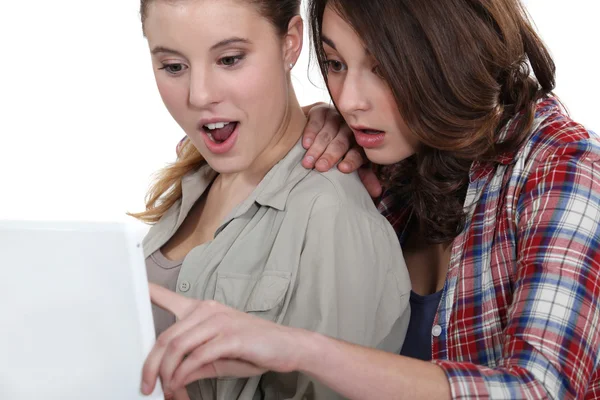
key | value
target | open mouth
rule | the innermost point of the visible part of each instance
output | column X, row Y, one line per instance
column 367, row 137
column 219, row 132
column 370, row 131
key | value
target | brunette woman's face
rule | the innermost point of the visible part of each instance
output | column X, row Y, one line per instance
column 363, row 97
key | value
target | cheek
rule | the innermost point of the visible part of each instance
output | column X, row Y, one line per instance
column 334, row 84
column 173, row 93
column 390, row 109
column 265, row 76
column 250, row 85
column 262, row 91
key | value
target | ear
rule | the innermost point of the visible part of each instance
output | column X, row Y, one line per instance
column 292, row 42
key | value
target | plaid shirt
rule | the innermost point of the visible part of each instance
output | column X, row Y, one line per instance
column 519, row 316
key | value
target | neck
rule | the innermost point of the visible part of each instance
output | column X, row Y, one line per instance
column 287, row 136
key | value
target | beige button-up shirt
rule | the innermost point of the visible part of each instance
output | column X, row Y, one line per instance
column 305, row 249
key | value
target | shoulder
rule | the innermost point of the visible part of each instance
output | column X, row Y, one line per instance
column 558, row 178
column 334, row 192
column 557, row 136
column 342, row 218
column 559, row 153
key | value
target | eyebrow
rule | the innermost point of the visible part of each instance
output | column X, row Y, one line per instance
column 162, row 49
column 331, row 44
column 232, row 40
column 222, row 43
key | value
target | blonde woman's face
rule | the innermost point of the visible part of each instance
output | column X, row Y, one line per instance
column 220, row 70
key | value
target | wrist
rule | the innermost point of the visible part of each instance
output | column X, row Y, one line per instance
column 309, row 351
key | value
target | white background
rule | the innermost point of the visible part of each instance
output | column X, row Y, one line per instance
column 82, row 126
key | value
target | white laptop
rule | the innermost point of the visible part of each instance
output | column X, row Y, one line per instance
column 75, row 314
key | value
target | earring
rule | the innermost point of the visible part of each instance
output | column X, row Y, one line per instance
column 291, row 65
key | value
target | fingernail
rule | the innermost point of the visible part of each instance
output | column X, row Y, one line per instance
column 307, row 142
column 322, row 164
column 145, row 388
column 310, row 160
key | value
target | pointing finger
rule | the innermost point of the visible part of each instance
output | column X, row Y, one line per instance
column 175, row 303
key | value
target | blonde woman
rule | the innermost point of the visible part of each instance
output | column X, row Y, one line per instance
column 236, row 219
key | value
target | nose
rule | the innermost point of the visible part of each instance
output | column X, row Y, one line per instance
column 353, row 95
column 203, row 91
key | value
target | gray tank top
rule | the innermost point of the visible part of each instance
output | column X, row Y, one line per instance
column 163, row 272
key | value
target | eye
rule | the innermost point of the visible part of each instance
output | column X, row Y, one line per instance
column 335, row 66
column 174, row 69
column 230, row 61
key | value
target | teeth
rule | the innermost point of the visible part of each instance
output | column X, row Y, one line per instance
column 217, row 125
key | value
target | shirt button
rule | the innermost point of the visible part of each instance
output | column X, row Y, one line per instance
column 184, row 286
column 436, row 331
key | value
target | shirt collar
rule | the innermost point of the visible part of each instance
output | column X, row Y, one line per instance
column 193, row 185
column 273, row 191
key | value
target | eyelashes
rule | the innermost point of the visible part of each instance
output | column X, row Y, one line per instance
column 335, row 66
column 230, row 61
column 176, row 69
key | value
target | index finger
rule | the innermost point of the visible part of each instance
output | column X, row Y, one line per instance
column 175, row 303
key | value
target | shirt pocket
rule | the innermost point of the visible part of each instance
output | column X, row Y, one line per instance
column 261, row 295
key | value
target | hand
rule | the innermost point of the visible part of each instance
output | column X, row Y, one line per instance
column 328, row 139
column 211, row 340
column 370, row 181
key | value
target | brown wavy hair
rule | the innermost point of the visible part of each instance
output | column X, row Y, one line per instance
column 459, row 71
column 165, row 191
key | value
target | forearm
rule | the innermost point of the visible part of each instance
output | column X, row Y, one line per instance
column 359, row 373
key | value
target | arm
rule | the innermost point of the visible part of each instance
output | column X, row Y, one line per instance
column 551, row 342
column 225, row 342
column 360, row 373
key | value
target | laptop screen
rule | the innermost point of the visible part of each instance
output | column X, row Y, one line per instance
column 76, row 315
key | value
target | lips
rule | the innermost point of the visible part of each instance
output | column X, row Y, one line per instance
column 368, row 137
column 219, row 136
column 220, row 132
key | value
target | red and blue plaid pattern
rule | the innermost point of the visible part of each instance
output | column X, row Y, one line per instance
column 520, row 312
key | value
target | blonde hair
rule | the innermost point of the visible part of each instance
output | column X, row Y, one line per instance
column 166, row 188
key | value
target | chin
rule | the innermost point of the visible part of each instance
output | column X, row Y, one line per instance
column 386, row 157
column 227, row 166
